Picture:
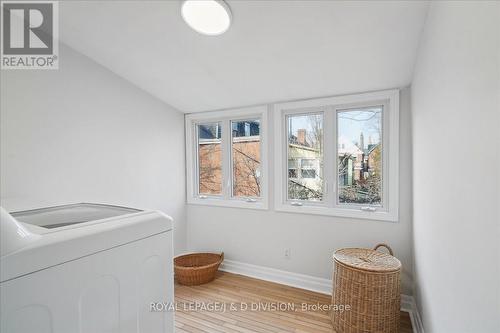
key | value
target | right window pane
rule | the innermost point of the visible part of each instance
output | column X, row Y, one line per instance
column 246, row 158
column 305, row 157
column 359, row 156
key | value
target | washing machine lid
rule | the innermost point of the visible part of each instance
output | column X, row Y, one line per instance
column 68, row 215
column 42, row 238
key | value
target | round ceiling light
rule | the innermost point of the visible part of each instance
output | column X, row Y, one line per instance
column 208, row 17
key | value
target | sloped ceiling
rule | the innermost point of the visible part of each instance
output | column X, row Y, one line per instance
column 274, row 51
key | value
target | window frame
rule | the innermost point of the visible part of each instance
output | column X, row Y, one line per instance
column 330, row 107
column 226, row 199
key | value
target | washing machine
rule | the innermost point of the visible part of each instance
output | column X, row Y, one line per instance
column 86, row 268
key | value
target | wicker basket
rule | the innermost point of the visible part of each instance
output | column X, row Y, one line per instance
column 197, row 268
column 369, row 282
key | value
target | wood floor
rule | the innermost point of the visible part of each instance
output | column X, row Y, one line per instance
column 193, row 314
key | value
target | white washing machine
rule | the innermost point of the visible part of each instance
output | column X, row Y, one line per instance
column 85, row 268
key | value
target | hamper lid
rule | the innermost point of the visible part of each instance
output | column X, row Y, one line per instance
column 366, row 259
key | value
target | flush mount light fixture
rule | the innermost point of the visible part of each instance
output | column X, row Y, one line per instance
column 208, row 17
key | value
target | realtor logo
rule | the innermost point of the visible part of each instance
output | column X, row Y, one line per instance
column 29, row 35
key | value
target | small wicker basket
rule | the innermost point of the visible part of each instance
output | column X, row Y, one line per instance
column 197, row 268
column 369, row 282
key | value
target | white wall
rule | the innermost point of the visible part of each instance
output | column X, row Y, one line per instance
column 260, row 237
column 83, row 134
column 455, row 107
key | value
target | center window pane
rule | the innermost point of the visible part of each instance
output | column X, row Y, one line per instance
column 210, row 159
column 246, row 158
column 360, row 156
column 305, row 157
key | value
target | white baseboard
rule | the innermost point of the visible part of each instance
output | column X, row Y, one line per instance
column 416, row 321
column 323, row 286
column 406, row 303
column 302, row 281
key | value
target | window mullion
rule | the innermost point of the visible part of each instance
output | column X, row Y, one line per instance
column 226, row 159
column 334, row 151
column 329, row 155
column 195, row 156
column 282, row 140
column 386, row 126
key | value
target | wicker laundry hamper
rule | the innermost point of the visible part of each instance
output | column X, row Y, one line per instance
column 369, row 282
column 197, row 268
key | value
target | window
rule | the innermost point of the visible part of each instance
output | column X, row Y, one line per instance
column 333, row 156
column 308, row 173
column 246, row 158
column 359, row 137
column 309, row 168
column 336, row 156
column 226, row 160
column 292, row 169
column 209, row 159
column 305, row 148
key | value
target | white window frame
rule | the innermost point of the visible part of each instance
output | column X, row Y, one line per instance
column 329, row 107
column 225, row 117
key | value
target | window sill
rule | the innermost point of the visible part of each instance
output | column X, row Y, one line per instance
column 339, row 212
column 232, row 203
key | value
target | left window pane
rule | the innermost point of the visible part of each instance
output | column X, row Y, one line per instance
column 210, row 158
column 305, row 157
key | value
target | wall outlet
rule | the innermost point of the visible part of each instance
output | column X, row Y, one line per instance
column 288, row 253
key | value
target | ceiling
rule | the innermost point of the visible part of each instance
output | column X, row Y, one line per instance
column 274, row 50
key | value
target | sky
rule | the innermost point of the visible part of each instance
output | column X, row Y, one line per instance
column 350, row 123
column 353, row 122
